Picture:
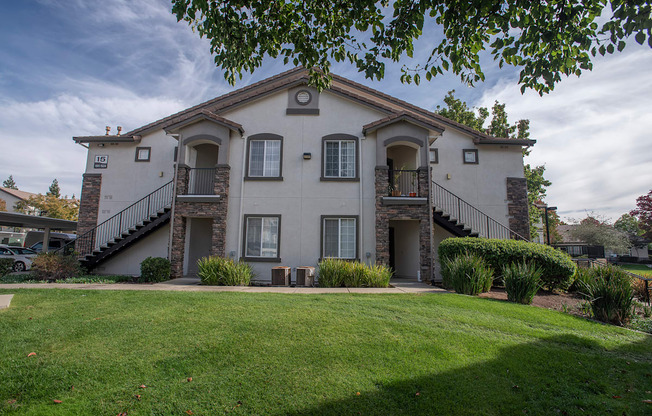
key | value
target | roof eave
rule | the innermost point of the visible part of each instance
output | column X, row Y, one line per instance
column 174, row 128
column 106, row 139
column 512, row 142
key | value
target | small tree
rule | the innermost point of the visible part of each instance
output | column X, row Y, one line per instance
column 54, row 190
column 10, row 183
column 643, row 213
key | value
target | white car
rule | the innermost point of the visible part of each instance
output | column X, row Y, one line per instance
column 22, row 257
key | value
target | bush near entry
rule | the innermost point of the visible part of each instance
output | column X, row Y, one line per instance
column 155, row 269
column 467, row 273
column 556, row 266
column 55, row 266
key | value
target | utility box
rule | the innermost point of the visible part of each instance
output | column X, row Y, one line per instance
column 305, row 276
column 281, row 276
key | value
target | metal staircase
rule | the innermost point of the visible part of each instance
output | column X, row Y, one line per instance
column 123, row 229
column 463, row 219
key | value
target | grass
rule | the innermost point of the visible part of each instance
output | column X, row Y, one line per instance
column 640, row 269
column 273, row 354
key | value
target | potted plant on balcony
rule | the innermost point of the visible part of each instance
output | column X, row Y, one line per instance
column 414, row 184
column 397, row 178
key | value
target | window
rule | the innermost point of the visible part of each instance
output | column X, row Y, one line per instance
column 339, row 158
column 262, row 237
column 143, row 154
column 339, row 237
column 434, row 155
column 470, row 156
column 264, row 157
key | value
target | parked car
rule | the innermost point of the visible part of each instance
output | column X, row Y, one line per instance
column 22, row 257
column 34, row 240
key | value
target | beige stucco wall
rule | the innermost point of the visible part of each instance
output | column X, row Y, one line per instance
column 127, row 262
column 301, row 198
column 482, row 185
column 125, row 181
column 10, row 200
column 406, row 248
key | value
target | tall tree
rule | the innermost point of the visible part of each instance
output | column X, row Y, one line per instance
column 50, row 206
column 54, row 190
column 643, row 212
column 628, row 224
column 596, row 231
column 543, row 39
column 499, row 126
column 10, row 183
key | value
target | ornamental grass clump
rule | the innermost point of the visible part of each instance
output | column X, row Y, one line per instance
column 611, row 295
column 218, row 271
column 467, row 274
column 342, row 273
column 522, row 281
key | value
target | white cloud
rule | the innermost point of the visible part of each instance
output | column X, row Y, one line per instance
column 592, row 132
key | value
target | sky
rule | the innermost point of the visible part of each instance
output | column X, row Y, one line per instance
column 71, row 67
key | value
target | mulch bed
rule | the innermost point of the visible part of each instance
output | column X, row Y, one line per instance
column 567, row 302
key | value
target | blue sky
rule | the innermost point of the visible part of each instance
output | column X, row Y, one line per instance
column 71, row 67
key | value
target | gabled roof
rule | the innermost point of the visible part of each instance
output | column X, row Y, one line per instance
column 402, row 116
column 204, row 115
column 393, row 107
column 23, row 195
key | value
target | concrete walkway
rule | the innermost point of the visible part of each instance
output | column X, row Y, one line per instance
column 5, row 300
column 188, row 284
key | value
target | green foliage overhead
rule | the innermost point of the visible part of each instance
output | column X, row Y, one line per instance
column 544, row 39
column 557, row 267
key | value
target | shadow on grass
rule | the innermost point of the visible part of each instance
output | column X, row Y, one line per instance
column 562, row 375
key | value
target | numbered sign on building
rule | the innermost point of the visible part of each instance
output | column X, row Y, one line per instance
column 101, row 161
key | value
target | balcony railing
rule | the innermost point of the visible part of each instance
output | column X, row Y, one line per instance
column 201, row 181
column 404, row 183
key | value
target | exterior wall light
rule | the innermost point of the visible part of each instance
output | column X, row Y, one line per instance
column 307, row 156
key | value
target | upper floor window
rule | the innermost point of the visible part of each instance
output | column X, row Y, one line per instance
column 264, row 157
column 143, row 154
column 340, row 158
column 470, row 156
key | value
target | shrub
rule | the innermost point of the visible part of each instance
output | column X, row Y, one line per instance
column 556, row 266
column 6, row 266
column 55, row 266
column 155, row 269
column 638, row 285
column 522, row 281
column 219, row 271
column 611, row 295
column 467, row 274
column 339, row 273
column 582, row 278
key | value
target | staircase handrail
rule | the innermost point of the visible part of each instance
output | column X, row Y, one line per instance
column 486, row 218
column 85, row 243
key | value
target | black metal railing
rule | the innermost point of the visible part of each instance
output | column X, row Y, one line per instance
column 135, row 214
column 201, row 181
column 470, row 216
column 404, row 182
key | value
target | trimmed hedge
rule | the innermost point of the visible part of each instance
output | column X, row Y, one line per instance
column 155, row 269
column 556, row 266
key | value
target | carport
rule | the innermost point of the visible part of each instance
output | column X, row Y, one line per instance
column 13, row 219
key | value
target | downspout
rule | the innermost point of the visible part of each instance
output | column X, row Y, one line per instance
column 242, row 189
column 361, row 239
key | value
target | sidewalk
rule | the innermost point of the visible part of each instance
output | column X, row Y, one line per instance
column 192, row 285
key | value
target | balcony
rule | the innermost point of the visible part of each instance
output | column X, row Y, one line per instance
column 197, row 185
column 405, row 188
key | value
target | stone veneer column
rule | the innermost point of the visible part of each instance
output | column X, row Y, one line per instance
column 89, row 202
column 517, row 207
column 216, row 210
column 403, row 212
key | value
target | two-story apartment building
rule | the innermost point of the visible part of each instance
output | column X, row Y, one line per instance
column 279, row 174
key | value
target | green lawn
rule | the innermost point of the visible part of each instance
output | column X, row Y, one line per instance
column 640, row 269
column 272, row 354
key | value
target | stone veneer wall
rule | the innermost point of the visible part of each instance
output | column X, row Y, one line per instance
column 517, row 207
column 89, row 202
column 403, row 212
column 183, row 210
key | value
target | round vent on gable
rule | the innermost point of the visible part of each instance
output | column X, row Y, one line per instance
column 303, row 97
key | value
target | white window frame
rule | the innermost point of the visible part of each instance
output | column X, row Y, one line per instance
column 245, row 253
column 339, row 236
column 265, row 150
column 340, row 171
